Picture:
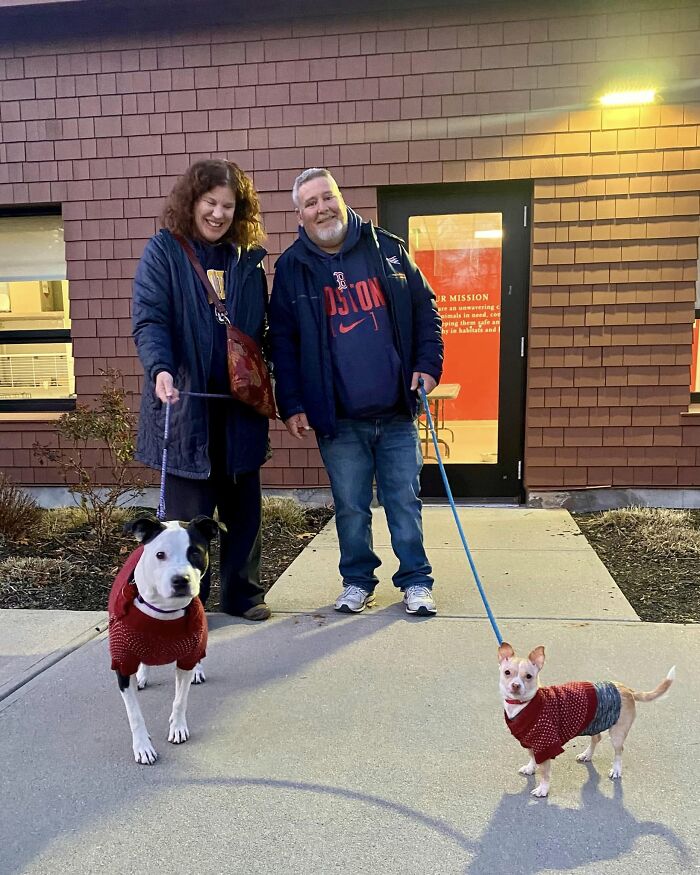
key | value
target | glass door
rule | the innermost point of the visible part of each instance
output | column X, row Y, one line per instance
column 471, row 243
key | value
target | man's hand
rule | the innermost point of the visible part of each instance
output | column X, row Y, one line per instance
column 298, row 426
column 428, row 382
column 165, row 390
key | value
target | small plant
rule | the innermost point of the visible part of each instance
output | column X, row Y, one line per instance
column 285, row 512
column 661, row 532
column 109, row 426
column 36, row 581
column 56, row 521
column 35, row 571
column 20, row 515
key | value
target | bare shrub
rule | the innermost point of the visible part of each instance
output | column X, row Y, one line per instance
column 110, row 426
column 20, row 515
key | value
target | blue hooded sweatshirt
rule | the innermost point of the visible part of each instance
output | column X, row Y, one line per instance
column 305, row 375
column 366, row 365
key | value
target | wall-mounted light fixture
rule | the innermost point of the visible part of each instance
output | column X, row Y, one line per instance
column 629, row 98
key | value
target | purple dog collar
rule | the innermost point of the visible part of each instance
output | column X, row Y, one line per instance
column 154, row 608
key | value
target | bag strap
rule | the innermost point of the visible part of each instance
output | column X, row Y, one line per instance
column 214, row 299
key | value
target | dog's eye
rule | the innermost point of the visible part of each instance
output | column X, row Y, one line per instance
column 160, row 555
column 507, row 673
column 529, row 677
column 197, row 557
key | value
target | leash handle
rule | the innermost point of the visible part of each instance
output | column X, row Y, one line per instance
column 489, row 612
column 207, row 395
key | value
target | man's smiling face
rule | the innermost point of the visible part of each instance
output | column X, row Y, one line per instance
column 322, row 213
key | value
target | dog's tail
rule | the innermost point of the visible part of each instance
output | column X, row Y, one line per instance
column 659, row 691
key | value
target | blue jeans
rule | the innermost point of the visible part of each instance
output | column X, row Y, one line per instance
column 386, row 449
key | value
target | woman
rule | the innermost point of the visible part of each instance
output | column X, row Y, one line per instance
column 216, row 446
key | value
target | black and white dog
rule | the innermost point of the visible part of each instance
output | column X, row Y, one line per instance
column 156, row 617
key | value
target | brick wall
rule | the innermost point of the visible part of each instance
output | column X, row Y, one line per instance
column 103, row 122
column 614, row 263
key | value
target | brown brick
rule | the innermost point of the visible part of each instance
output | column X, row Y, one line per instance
column 265, row 103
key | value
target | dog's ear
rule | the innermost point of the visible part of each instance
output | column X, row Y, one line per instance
column 536, row 657
column 505, row 651
column 206, row 527
column 144, row 529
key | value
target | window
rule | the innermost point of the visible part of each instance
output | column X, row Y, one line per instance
column 36, row 361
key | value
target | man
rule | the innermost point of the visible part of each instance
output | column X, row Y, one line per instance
column 354, row 327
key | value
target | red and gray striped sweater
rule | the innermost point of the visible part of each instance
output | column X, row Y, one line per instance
column 554, row 716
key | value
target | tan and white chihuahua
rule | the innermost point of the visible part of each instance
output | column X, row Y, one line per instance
column 543, row 719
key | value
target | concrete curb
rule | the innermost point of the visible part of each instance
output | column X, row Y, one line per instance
column 52, row 658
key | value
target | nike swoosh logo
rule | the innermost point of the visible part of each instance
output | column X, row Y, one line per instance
column 345, row 328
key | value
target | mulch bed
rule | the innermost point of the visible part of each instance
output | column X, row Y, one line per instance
column 80, row 577
column 80, row 573
column 661, row 590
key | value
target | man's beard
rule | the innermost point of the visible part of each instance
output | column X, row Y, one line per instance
column 332, row 232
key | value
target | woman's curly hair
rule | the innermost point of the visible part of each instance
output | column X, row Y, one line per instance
column 202, row 176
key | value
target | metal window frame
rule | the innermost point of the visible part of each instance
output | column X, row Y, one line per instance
column 35, row 335
column 695, row 396
column 36, row 405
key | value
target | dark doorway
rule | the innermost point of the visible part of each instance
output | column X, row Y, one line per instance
column 472, row 241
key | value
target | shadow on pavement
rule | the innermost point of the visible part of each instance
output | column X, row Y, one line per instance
column 61, row 760
column 526, row 835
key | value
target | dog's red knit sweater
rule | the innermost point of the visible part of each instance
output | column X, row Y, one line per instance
column 134, row 637
column 554, row 716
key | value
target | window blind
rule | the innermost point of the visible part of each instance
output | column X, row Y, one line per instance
column 32, row 248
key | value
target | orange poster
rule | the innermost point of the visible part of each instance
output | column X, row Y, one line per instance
column 467, row 283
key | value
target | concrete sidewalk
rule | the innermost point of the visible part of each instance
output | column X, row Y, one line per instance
column 375, row 743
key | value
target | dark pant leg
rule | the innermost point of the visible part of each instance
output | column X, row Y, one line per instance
column 186, row 499
column 239, row 502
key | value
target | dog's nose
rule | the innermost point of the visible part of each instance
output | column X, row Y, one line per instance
column 181, row 584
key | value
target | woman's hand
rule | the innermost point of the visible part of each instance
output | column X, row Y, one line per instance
column 165, row 390
column 298, row 426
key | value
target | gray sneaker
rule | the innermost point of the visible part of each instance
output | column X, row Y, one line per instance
column 353, row 600
column 419, row 600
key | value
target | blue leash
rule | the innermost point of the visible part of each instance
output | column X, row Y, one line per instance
column 491, row 617
column 160, row 513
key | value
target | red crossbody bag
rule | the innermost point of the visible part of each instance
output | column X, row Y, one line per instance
column 248, row 374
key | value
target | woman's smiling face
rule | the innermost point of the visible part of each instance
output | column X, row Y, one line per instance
column 213, row 213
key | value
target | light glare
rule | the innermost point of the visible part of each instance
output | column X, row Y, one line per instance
column 628, row 98
column 488, row 234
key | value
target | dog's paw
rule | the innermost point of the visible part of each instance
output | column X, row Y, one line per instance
column 144, row 752
column 615, row 772
column 178, row 732
column 585, row 757
column 198, row 677
column 540, row 791
column 527, row 770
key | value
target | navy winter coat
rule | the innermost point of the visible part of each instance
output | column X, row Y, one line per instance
column 302, row 362
column 172, row 327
